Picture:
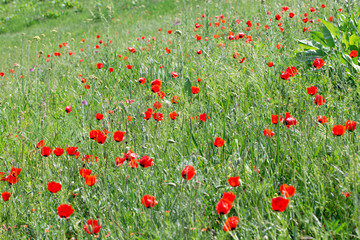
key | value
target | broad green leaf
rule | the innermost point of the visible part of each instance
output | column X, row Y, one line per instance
column 306, row 44
column 349, row 61
column 332, row 29
column 318, row 37
column 328, row 37
column 354, row 42
column 187, row 87
column 309, row 55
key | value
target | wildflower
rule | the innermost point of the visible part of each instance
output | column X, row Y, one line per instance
column 219, row 142
column 279, row 204
column 65, row 210
column 92, row 227
column 188, row 172
column 148, row 201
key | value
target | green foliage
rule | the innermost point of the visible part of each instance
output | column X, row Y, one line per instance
column 334, row 43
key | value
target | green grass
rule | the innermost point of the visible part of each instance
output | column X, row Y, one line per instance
column 238, row 97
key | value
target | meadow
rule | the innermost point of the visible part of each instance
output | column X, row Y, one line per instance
column 179, row 119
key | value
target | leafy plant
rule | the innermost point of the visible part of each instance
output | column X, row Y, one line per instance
column 333, row 42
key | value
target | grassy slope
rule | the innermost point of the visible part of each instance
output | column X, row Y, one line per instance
column 239, row 98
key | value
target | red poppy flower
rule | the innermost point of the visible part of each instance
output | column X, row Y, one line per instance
column 241, row 35
column 134, row 163
column 353, row 54
column 279, row 204
column 174, row 74
column 195, row 90
column 350, row 125
column 94, row 134
column 99, row 65
column 130, row 155
column 338, row 130
column 101, row 138
column 203, row 117
column 46, row 151
column 146, row 161
column 223, row 207
column 2, row 74
column 148, row 113
column 142, row 80
column 275, row 119
column 119, row 161
column 54, row 187
column 119, row 136
column 289, row 120
column 157, row 105
column 90, row 180
column 312, row 90
column 219, row 142
column 72, row 150
column 268, row 132
column 291, row 15
column 161, row 94
column 68, row 109
column 40, row 144
column 87, row 86
column 148, row 201
column 155, row 88
column 229, row 196
column 287, row 191
column 168, row 51
column 284, row 75
column 231, row 224
column 92, row 227
column 133, row 50
column 111, row 70
column 331, row 19
column 175, row 99
column 156, row 82
column 270, row 64
column 277, row 17
column 323, row 5
column 188, row 173
column 173, row 115
column 65, row 210
column 129, row 66
column 292, row 71
column 319, row 100
column 13, row 177
column 234, row 181
column 158, row 116
column 322, row 119
column 305, row 20
column 99, row 116
column 312, row 9
column 318, row 63
column 198, row 52
column 249, row 23
column 5, row 196
column 84, row 172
